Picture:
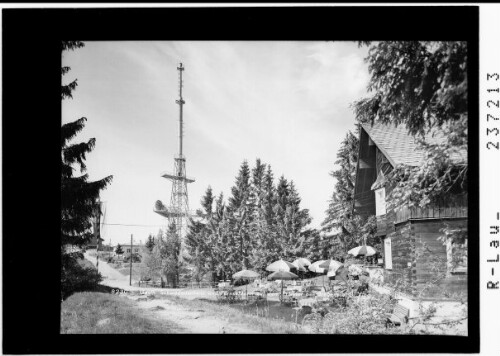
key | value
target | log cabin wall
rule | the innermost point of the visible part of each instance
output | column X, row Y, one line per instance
column 402, row 255
column 430, row 260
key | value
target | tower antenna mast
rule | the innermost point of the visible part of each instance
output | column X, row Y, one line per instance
column 181, row 102
column 178, row 212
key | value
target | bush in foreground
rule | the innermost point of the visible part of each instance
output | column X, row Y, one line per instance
column 77, row 276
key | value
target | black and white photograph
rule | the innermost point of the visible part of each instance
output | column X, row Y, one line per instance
column 320, row 187
column 265, row 187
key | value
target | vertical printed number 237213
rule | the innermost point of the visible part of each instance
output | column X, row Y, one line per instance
column 494, row 111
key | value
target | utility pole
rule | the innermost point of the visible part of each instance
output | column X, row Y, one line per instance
column 131, row 250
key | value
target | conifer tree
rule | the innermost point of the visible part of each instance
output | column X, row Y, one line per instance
column 422, row 85
column 220, row 228
column 198, row 240
column 119, row 249
column 269, row 196
column 257, row 216
column 172, row 251
column 79, row 196
column 350, row 229
column 150, row 243
column 239, row 223
column 282, row 193
column 295, row 221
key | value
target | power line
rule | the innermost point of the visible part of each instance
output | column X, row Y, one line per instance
column 134, row 225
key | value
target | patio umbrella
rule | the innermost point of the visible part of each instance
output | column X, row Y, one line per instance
column 363, row 250
column 301, row 264
column 328, row 264
column 280, row 265
column 315, row 267
column 301, row 261
column 282, row 275
column 332, row 267
column 246, row 274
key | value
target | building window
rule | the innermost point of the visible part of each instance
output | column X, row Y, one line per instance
column 456, row 256
column 380, row 202
column 388, row 253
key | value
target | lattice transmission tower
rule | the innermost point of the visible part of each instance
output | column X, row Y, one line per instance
column 178, row 212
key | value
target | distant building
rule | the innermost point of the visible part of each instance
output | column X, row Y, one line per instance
column 137, row 249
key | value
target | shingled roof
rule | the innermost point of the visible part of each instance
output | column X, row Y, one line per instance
column 399, row 147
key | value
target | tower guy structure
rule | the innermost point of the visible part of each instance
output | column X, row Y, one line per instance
column 178, row 212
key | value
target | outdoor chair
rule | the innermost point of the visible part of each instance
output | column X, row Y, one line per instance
column 238, row 296
column 399, row 315
column 312, row 323
column 328, row 326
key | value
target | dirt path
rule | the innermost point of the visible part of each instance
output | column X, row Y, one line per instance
column 191, row 320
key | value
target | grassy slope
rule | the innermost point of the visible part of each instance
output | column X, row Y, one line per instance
column 81, row 312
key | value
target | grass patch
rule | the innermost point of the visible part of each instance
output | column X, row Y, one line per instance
column 136, row 270
column 238, row 315
column 100, row 313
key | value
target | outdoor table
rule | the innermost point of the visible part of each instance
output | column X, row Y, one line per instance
column 227, row 294
column 294, row 288
column 309, row 302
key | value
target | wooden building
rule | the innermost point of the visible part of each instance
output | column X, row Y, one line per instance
column 412, row 253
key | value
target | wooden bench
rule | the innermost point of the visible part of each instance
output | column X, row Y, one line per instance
column 399, row 315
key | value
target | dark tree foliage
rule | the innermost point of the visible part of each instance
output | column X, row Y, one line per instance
column 79, row 197
column 240, row 217
column 75, row 277
column 422, row 85
column 350, row 229
column 260, row 224
column 198, row 240
column 119, row 249
column 172, row 245
column 416, row 83
column 150, row 243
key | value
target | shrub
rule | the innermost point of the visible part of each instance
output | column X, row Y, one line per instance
column 241, row 282
column 135, row 258
column 76, row 277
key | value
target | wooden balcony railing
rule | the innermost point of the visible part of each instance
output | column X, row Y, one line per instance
column 452, row 208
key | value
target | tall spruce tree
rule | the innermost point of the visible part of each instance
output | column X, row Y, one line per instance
column 240, row 218
column 260, row 224
column 173, row 258
column 350, row 229
column 198, row 240
column 195, row 242
column 256, row 216
column 220, row 231
column 280, row 207
column 79, row 196
column 267, row 247
column 296, row 220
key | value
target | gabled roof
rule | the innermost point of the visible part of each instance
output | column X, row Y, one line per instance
column 399, row 147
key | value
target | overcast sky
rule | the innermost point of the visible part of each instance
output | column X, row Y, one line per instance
column 286, row 103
